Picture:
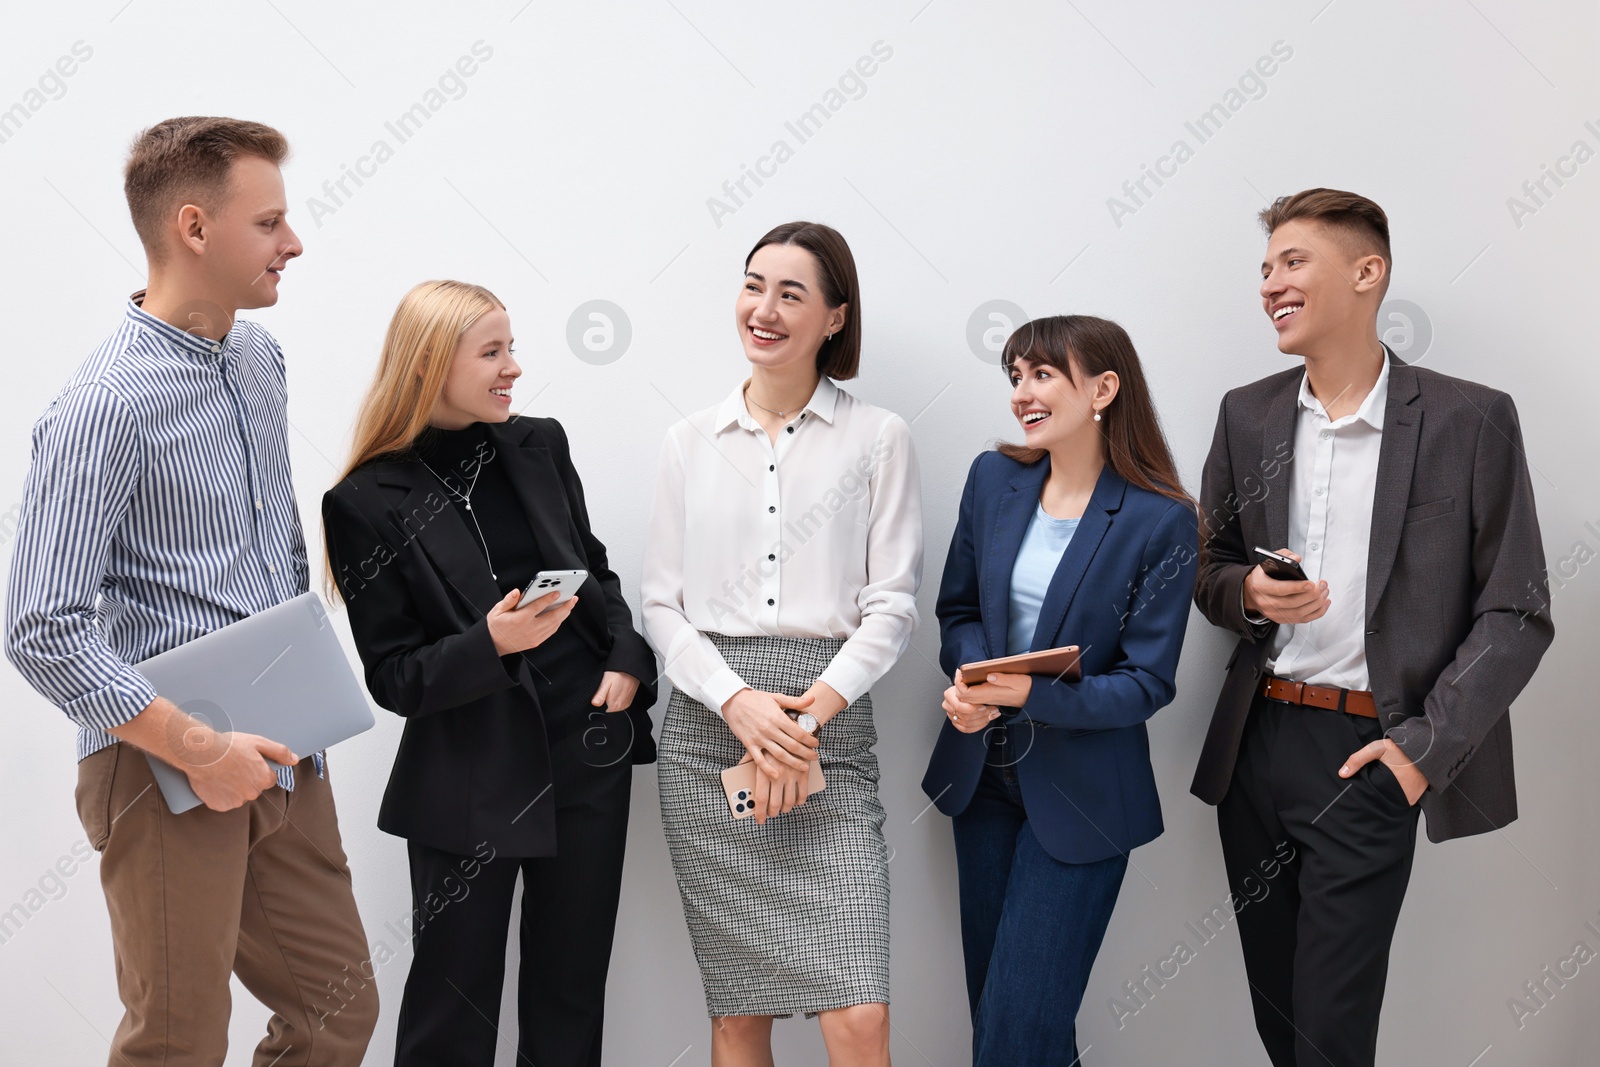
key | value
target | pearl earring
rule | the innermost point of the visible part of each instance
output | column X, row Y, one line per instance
column 1097, row 416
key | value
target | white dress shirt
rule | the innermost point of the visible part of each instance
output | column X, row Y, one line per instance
column 1332, row 483
column 818, row 535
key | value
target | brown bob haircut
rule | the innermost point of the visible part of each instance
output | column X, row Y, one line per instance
column 840, row 356
column 1358, row 218
column 1136, row 448
column 188, row 161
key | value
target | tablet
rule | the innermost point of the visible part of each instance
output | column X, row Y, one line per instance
column 1060, row 663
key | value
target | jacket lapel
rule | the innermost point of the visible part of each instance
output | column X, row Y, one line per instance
column 427, row 516
column 1277, row 433
column 1397, row 457
column 536, row 480
column 1012, row 514
column 1107, row 498
column 533, row 476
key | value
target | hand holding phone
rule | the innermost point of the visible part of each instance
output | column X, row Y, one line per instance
column 1279, row 590
column 1280, row 567
column 739, row 783
column 566, row 583
column 515, row 630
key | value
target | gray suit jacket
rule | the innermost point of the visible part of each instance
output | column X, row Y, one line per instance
column 1458, row 615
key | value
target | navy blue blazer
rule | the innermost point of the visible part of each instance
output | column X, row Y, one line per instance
column 1121, row 593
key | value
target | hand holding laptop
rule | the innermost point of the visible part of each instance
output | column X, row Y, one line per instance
column 281, row 670
column 245, row 767
column 226, row 770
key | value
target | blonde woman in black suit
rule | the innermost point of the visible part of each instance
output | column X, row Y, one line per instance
column 521, row 727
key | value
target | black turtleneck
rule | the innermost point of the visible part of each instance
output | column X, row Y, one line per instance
column 456, row 456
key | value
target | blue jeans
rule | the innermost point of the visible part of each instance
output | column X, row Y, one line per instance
column 1030, row 928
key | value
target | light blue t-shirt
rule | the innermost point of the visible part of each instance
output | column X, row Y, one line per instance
column 1047, row 538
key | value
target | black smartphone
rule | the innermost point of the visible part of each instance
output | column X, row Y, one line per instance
column 1280, row 568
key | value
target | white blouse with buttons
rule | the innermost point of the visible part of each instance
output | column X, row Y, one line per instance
column 816, row 535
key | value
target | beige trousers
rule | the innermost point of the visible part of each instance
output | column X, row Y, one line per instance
column 262, row 891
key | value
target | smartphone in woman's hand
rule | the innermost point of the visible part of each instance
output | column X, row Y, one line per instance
column 546, row 582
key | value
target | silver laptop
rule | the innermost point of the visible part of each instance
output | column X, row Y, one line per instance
column 280, row 673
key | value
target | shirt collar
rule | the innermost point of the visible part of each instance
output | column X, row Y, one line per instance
column 733, row 412
column 188, row 344
column 1371, row 409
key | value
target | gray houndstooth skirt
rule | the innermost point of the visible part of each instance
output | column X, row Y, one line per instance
column 792, row 916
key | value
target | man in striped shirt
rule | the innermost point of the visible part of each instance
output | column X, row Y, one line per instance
column 159, row 507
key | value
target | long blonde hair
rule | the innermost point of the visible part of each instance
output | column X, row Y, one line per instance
column 417, row 353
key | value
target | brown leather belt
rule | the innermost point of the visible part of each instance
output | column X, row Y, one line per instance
column 1350, row 701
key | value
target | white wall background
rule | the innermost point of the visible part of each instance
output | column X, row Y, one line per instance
column 575, row 164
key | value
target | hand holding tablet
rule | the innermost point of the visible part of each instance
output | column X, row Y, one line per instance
column 1060, row 663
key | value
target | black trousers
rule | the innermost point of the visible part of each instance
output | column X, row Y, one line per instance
column 449, row 1014
column 1321, row 865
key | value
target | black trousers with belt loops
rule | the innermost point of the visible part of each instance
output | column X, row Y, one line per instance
column 1316, row 943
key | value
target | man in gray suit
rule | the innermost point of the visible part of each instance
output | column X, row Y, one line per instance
column 1380, row 677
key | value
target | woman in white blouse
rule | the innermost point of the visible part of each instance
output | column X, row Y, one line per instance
column 780, row 583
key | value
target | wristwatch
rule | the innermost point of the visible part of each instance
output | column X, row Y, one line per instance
column 804, row 719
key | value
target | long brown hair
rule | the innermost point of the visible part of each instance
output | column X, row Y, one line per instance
column 1136, row 447
column 417, row 352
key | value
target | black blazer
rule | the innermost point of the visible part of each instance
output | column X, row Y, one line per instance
column 1458, row 613
column 473, row 756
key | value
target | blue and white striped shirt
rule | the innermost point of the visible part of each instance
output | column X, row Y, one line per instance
column 158, row 508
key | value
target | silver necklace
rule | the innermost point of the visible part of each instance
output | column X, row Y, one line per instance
column 466, row 498
column 769, row 411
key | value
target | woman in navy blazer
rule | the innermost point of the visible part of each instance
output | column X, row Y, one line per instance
column 1082, row 536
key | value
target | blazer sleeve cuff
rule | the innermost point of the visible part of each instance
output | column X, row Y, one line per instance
column 1244, row 623
column 632, row 657
column 1415, row 738
column 480, row 642
column 1250, row 617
